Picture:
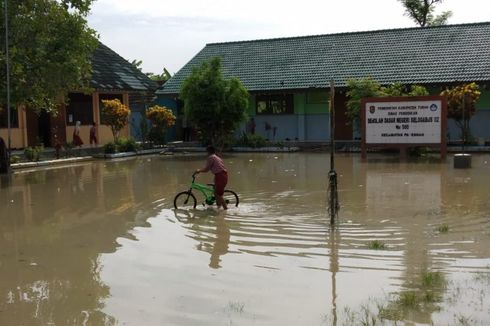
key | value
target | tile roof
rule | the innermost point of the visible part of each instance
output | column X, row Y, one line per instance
column 110, row 71
column 429, row 55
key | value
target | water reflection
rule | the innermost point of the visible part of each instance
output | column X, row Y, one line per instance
column 98, row 243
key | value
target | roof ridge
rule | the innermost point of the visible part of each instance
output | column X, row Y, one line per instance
column 348, row 33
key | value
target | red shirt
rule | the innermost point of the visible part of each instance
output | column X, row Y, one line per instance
column 214, row 164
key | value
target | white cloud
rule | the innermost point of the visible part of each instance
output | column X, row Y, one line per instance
column 169, row 33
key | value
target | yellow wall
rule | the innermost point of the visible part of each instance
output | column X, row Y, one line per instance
column 17, row 137
column 104, row 134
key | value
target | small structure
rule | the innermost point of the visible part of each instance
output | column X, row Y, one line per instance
column 112, row 77
column 288, row 78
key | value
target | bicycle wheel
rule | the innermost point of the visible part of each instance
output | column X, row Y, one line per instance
column 231, row 198
column 185, row 200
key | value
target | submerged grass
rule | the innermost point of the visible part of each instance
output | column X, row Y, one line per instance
column 443, row 228
column 425, row 296
column 433, row 279
column 236, row 306
column 376, row 245
column 408, row 299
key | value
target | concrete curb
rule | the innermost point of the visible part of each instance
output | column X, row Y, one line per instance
column 24, row 165
column 266, row 149
column 129, row 154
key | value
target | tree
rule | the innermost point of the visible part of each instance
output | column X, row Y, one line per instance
column 115, row 115
column 50, row 49
column 214, row 105
column 160, row 79
column 161, row 118
column 137, row 64
column 422, row 12
column 368, row 87
column 459, row 98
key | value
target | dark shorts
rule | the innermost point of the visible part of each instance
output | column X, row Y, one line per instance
column 220, row 181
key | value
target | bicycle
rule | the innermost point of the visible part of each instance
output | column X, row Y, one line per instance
column 186, row 199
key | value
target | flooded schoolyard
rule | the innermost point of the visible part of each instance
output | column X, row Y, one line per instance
column 99, row 243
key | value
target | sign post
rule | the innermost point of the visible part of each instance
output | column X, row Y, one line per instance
column 403, row 122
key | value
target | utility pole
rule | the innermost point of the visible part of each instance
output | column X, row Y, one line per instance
column 5, row 150
column 333, row 200
column 7, row 64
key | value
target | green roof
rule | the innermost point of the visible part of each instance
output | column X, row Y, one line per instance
column 430, row 55
column 110, row 71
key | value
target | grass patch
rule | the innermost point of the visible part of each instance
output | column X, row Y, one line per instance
column 236, row 306
column 483, row 277
column 431, row 297
column 408, row 299
column 443, row 228
column 433, row 279
column 376, row 245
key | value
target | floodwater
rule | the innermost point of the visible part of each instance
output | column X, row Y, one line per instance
column 99, row 243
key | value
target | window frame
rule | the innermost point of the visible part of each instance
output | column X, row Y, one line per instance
column 87, row 115
column 271, row 101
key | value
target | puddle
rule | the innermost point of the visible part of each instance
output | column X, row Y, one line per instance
column 100, row 244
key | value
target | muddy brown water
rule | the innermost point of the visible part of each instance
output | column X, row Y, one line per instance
column 99, row 243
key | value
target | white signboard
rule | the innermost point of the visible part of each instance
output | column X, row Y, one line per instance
column 407, row 122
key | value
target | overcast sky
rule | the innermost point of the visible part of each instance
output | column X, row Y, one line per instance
column 168, row 34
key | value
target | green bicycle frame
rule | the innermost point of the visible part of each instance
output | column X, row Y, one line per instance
column 206, row 190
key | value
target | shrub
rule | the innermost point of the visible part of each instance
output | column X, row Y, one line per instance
column 33, row 153
column 14, row 159
column 121, row 145
column 115, row 115
column 110, row 148
column 126, row 145
column 161, row 118
column 251, row 140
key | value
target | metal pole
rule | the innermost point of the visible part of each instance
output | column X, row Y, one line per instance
column 464, row 121
column 7, row 63
column 332, row 126
column 333, row 203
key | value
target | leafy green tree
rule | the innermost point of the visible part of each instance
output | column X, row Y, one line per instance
column 137, row 64
column 162, row 78
column 422, row 12
column 368, row 87
column 214, row 105
column 50, row 49
column 357, row 90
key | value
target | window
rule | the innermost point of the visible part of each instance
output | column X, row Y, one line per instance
column 79, row 108
column 275, row 104
column 14, row 118
column 317, row 97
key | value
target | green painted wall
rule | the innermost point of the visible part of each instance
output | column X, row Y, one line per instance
column 251, row 106
column 484, row 101
column 299, row 103
column 308, row 103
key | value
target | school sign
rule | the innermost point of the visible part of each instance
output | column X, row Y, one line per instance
column 404, row 122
